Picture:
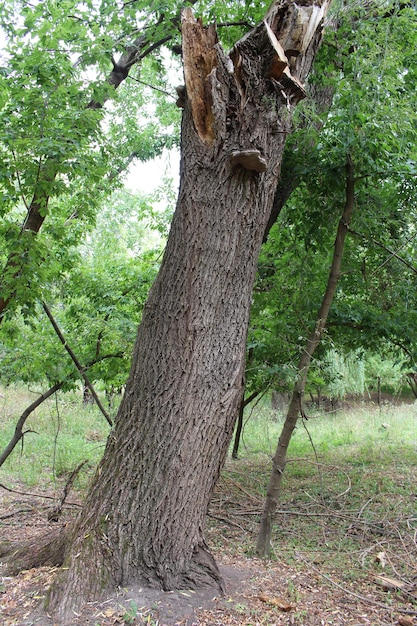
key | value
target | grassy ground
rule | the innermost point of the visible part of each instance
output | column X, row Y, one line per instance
column 349, row 498
column 62, row 433
column 348, row 510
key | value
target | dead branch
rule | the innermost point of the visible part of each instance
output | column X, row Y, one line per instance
column 55, row 513
column 224, row 520
column 240, row 488
column 13, row 513
column 36, row 495
column 19, row 434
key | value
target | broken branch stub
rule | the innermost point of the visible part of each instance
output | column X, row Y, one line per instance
column 290, row 36
column 279, row 60
column 279, row 68
column 284, row 43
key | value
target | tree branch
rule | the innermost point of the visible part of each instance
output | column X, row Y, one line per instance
column 392, row 253
column 37, row 209
column 76, row 363
column 19, row 434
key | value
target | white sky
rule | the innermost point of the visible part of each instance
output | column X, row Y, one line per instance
column 147, row 177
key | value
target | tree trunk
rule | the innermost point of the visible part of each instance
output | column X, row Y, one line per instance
column 263, row 546
column 145, row 513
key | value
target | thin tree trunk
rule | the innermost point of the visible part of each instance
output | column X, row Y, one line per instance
column 378, row 381
column 412, row 381
column 263, row 546
column 239, row 425
column 144, row 516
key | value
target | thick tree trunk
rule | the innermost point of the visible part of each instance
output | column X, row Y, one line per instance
column 144, row 516
column 263, row 546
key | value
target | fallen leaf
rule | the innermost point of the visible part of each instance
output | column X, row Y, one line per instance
column 281, row 604
column 109, row 612
column 406, row 620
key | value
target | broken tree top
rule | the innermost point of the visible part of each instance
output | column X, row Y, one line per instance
column 278, row 50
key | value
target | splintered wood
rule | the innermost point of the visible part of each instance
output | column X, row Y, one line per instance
column 199, row 60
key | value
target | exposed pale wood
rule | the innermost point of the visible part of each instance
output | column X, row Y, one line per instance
column 388, row 584
column 199, row 59
column 279, row 61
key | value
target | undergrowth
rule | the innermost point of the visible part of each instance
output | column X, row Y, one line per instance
column 349, row 499
column 60, row 435
column 348, row 507
column 349, row 480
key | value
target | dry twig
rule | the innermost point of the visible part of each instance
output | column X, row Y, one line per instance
column 358, row 596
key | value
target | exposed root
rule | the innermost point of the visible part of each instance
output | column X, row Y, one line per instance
column 201, row 572
column 46, row 549
column 204, row 571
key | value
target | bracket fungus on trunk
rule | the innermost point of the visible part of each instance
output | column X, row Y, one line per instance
column 249, row 159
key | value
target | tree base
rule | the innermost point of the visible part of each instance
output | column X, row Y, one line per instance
column 75, row 586
column 203, row 572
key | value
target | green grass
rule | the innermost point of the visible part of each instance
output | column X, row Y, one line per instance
column 348, row 491
column 360, row 432
column 62, row 433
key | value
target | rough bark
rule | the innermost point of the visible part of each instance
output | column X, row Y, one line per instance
column 144, row 516
column 263, row 546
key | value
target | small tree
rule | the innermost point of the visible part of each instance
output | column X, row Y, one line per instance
column 362, row 135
